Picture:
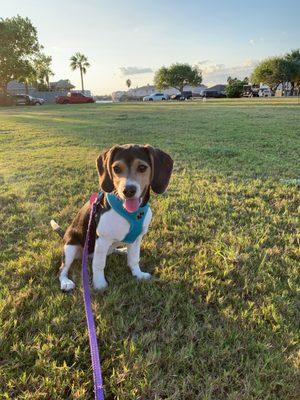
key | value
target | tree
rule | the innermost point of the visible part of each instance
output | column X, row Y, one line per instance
column 293, row 58
column 28, row 76
column 43, row 70
column 177, row 76
column 128, row 83
column 18, row 46
column 235, row 87
column 80, row 61
column 272, row 71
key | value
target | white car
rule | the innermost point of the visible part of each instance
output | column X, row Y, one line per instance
column 264, row 92
column 155, row 97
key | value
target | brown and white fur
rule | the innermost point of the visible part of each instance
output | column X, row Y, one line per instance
column 129, row 171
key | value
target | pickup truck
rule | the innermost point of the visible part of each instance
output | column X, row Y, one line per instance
column 25, row 100
column 74, row 98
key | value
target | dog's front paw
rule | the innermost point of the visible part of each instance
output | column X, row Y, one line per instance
column 66, row 284
column 142, row 275
column 100, row 283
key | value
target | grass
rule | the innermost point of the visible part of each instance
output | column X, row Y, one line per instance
column 220, row 318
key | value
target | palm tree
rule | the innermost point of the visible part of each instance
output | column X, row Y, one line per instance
column 28, row 77
column 79, row 61
column 43, row 70
column 128, row 83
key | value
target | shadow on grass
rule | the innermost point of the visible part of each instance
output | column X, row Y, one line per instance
column 160, row 339
column 15, row 228
column 187, row 345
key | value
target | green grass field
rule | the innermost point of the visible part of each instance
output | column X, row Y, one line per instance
column 220, row 318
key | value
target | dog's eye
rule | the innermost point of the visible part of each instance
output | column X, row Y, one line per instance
column 117, row 169
column 142, row 168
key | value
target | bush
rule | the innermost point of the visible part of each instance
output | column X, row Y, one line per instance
column 235, row 87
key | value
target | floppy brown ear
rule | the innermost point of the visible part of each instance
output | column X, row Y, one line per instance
column 103, row 164
column 162, row 166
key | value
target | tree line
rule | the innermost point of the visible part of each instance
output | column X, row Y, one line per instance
column 22, row 57
column 273, row 71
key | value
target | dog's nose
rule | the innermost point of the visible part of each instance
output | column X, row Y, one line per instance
column 129, row 191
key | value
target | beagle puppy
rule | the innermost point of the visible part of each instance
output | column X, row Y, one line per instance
column 126, row 175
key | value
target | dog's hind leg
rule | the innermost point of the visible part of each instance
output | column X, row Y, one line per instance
column 71, row 252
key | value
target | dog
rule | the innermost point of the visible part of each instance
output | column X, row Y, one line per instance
column 127, row 173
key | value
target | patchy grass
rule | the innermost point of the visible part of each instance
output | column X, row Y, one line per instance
column 220, row 318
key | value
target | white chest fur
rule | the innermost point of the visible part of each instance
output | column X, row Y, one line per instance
column 112, row 229
column 115, row 227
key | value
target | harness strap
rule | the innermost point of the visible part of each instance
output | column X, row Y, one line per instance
column 135, row 219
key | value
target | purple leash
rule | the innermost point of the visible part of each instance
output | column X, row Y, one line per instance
column 98, row 384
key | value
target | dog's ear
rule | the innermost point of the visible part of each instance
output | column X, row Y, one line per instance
column 162, row 166
column 103, row 164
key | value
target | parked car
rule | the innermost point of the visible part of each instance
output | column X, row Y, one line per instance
column 250, row 91
column 265, row 92
column 7, row 100
column 74, row 98
column 26, row 100
column 186, row 95
column 155, row 97
column 212, row 93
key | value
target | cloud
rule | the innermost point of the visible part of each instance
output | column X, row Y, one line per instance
column 249, row 63
column 252, row 42
column 218, row 73
column 125, row 71
column 208, row 69
column 203, row 62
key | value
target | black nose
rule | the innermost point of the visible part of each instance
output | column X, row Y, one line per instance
column 129, row 191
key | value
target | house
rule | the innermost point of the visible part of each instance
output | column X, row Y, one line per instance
column 63, row 85
column 141, row 91
column 15, row 87
column 117, row 95
column 218, row 88
column 196, row 90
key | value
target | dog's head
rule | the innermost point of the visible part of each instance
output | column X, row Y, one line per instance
column 131, row 170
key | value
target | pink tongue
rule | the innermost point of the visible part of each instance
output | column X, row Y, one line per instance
column 131, row 205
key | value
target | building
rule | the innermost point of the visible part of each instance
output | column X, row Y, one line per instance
column 63, row 85
column 142, row 91
column 59, row 88
column 15, row 87
column 218, row 88
column 117, row 95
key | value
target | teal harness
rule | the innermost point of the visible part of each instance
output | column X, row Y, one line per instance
column 135, row 219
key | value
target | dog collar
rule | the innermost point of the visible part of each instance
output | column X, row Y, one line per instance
column 135, row 219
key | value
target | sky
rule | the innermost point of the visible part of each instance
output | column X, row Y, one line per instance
column 133, row 38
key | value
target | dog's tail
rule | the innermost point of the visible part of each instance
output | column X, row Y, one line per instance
column 57, row 228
